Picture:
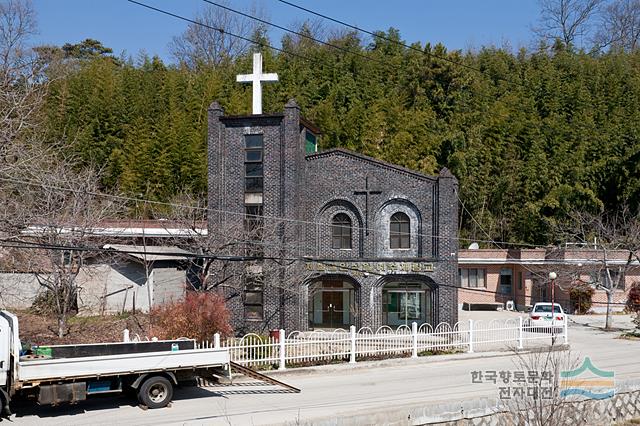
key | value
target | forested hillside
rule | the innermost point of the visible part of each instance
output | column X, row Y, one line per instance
column 531, row 135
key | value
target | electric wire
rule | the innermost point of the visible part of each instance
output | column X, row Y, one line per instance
column 399, row 43
column 242, row 214
column 299, row 34
column 334, row 263
column 221, row 30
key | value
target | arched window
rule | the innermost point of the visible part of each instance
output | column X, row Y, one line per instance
column 399, row 231
column 341, row 231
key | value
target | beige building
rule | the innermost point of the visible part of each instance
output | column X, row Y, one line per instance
column 492, row 278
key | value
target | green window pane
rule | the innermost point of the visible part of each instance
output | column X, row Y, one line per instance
column 253, row 141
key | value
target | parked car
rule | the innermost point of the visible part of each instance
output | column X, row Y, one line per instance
column 544, row 314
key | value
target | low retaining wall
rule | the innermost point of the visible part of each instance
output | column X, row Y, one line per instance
column 624, row 405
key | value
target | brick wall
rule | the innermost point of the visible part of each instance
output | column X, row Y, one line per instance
column 573, row 267
column 308, row 191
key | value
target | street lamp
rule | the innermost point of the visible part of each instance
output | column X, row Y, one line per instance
column 552, row 277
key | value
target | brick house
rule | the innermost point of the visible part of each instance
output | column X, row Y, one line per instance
column 351, row 240
column 492, row 277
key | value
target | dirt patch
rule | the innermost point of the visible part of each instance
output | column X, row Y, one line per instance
column 42, row 330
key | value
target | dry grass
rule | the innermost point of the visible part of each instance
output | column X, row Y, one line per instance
column 631, row 422
column 38, row 329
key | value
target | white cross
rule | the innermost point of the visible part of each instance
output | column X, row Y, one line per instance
column 257, row 78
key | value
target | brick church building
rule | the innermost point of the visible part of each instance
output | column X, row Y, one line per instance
column 333, row 238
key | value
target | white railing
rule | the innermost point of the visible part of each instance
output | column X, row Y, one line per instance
column 321, row 347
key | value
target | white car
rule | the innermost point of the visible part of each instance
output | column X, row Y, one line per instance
column 544, row 314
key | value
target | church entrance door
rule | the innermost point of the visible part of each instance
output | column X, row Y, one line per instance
column 332, row 308
column 331, row 304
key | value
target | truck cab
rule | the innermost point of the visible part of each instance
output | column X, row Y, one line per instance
column 9, row 354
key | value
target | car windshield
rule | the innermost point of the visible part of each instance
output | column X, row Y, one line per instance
column 547, row 308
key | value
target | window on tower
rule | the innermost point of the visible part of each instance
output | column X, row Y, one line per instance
column 254, row 294
column 253, row 164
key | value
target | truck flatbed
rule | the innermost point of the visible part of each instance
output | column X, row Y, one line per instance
column 52, row 369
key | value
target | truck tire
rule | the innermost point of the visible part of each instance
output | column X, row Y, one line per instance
column 155, row 392
column 5, row 411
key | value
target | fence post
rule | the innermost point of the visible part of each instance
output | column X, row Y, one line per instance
column 520, row 333
column 352, row 357
column 282, row 350
column 470, row 336
column 414, row 340
column 216, row 340
column 566, row 329
column 125, row 335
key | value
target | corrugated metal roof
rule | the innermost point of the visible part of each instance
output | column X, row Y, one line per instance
column 152, row 253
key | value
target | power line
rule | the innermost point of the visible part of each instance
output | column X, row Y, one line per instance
column 220, row 30
column 337, row 263
column 531, row 271
column 280, row 27
column 478, row 290
column 380, row 36
column 242, row 214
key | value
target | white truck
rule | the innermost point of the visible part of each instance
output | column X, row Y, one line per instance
column 70, row 373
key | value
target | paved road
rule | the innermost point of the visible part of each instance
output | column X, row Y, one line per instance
column 336, row 391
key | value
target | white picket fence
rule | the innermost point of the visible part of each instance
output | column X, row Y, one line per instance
column 319, row 347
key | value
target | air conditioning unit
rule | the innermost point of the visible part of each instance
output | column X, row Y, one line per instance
column 510, row 305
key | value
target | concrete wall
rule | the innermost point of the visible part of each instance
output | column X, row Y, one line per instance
column 109, row 289
column 18, row 290
column 624, row 405
column 168, row 285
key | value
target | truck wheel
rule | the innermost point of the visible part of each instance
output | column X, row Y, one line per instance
column 155, row 392
column 5, row 411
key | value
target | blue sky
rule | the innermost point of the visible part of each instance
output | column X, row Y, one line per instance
column 123, row 26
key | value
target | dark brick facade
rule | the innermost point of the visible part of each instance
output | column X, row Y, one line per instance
column 302, row 194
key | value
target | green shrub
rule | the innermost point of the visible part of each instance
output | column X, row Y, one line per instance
column 633, row 298
column 581, row 298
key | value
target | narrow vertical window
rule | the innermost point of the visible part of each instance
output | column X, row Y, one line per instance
column 399, row 231
column 253, row 164
column 253, row 226
column 341, row 231
column 254, row 295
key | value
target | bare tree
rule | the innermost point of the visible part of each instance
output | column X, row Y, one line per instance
column 212, row 42
column 619, row 26
column 22, row 86
column 612, row 235
column 566, row 20
column 48, row 205
column 52, row 211
column 240, row 255
column 538, row 401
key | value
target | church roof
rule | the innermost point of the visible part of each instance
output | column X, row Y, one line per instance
column 379, row 163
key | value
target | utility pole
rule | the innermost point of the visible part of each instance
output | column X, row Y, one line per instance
column 552, row 277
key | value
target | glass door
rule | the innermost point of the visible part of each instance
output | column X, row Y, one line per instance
column 404, row 306
column 332, row 309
